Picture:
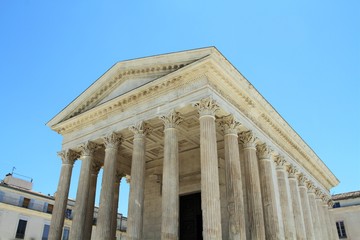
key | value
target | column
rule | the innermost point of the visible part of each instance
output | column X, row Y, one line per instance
column 103, row 229
column 328, row 223
column 115, row 205
column 296, row 204
column 253, row 190
column 95, row 168
column 309, row 225
column 210, row 189
column 234, row 191
column 274, row 228
column 78, row 223
column 57, row 220
column 332, row 226
column 285, row 199
column 170, row 182
column 136, row 197
column 319, row 206
column 313, row 209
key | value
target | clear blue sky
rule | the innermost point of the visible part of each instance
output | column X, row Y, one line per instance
column 302, row 56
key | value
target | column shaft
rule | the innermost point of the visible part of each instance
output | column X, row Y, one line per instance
column 82, row 195
column 210, row 189
column 320, row 212
column 296, row 204
column 91, row 204
column 313, row 209
column 237, row 229
column 170, row 187
column 137, row 184
column 285, row 199
column 62, row 193
column 103, row 229
column 274, row 228
column 252, row 180
column 309, row 225
column 115, row 206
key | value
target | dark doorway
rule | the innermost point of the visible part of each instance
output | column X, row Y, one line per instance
column 190, row 217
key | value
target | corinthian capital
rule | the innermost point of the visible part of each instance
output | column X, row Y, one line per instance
column 302, row 179
column 229, row 124
column 279, row 161
column 207, row 106
column 248, row 138
column 140, row 129
column 263, row 151
column 172, row 119
column 68, row 156
column 113, row 140
column 291, row 169
column 88, row 148
column 95, row 167
column 311, row 187
column 318, row 193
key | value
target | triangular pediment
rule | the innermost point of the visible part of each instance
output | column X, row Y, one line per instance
column 126, row 76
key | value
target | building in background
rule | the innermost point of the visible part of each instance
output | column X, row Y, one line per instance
column 346, row 214
column 25, row 214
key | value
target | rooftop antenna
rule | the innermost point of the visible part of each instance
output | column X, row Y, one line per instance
column 12, row 173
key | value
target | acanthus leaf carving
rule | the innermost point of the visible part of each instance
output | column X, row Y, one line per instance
column 88, row 148
column 263, row 151
column 229, row 124
column 207, row 106
column 279, row 161
column 291, row 169
column 68, row 156
column 141, row 129
column 248, row 138
column 113, row 140
column 172, row 120
column 301, row 179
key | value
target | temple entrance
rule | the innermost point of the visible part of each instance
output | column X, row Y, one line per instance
column 190, row 217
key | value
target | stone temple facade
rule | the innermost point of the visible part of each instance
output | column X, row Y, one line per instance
column 208, row 157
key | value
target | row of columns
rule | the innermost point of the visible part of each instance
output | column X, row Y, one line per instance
column 281, row 204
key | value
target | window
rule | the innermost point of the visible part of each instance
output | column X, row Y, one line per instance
column 341, row 229
column 68, row 213
column 20, row 232
column 26, row 202
column 336, row 205
column 45, row 232
column 66, row 233
column 50, row 208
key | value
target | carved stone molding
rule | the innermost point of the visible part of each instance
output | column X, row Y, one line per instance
column 291, row 169
column 263, row 151
column 172, row 120
column 140, row 130
column 280, row 161
column 207, row 106
column 248, row 139
column 302, row 179
column 88, row 148
column 68, row 156
column 113, row 140
column 229, row 124
column 318, row 193
column 311, row 187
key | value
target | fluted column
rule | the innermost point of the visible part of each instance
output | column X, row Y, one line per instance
column 285, row 198
column 332, row 226
column 320, row 212
column 95, row 168
column 274, row 228
column 170, row 186
column 115, row 204
column 313, row 209
column 253, row 190
column 82, row 195
column 234, row 191
column 309, row 225
column 136, row 197
column 296, row 204
column 328, row 223
column 103, row 229
column 57, row 220
column 210, row 189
